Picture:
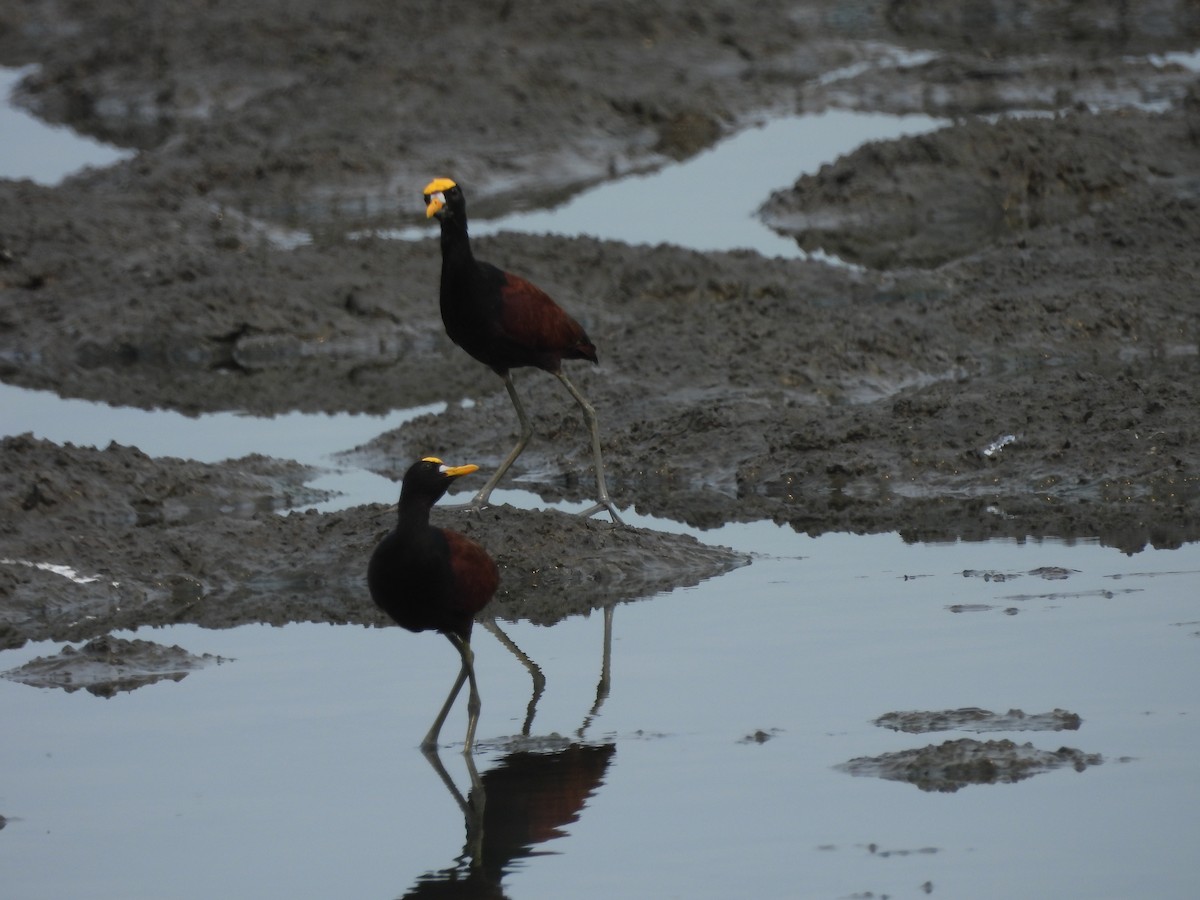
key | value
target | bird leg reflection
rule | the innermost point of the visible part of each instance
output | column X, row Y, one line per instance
column 465, row 673
column 539, row 679
column 605, row 683
column 472, row 805
column 532, row 796
column 535, row 672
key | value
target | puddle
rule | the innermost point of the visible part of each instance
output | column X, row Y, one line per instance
column 44, row 153
column 709, row 209
column 311, row 439
column 1189, row 60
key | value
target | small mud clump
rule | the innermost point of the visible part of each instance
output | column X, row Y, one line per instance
column 105, row 666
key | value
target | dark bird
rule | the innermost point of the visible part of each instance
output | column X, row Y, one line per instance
column 506, row 322
column 434, row 579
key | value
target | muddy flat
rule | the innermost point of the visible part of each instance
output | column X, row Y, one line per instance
column 988, row 330
column 1013, row 351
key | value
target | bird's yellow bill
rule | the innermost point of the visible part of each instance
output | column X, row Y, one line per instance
column 434, row 195
column 455, row 471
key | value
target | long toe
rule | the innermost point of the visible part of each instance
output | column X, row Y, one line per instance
column 473, row 505
column 603, row 506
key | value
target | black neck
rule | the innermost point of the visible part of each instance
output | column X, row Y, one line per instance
column 414, row 512
column 456, row 244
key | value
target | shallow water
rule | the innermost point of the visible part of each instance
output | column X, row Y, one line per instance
column 308, row 438
column 708, row 202
column 40, row 152
column 291, row 770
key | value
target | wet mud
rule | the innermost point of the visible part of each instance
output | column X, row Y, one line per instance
column 1010, row 350
column 157, row 541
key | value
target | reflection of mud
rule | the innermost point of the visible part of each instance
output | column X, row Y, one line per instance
column 759, row 736
column 955, row 764
column 1048, row 573
column 979, row 607
column 979, row 720
column 106, row 666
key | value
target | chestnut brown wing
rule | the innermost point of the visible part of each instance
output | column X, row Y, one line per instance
column 530, row 317
column 474, row 574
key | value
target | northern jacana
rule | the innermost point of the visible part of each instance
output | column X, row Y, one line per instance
column 433, row 579
column 506, row 323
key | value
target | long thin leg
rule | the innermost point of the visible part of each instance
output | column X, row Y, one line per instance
column 473, row 703
column 465, row 673
column 603, row 501
column 430, row 741
column 526, row 433
column 535, row 672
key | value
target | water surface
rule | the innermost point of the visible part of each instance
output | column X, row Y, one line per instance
column 291, row 770
column 709, row 202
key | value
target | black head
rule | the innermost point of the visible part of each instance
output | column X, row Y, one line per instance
column 444, row 199
column 427, row 480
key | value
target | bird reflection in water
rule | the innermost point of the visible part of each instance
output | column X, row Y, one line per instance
column 526, row 799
